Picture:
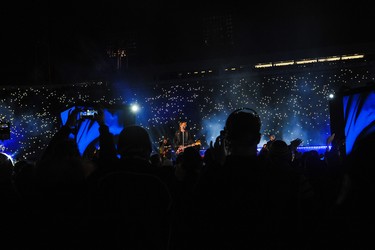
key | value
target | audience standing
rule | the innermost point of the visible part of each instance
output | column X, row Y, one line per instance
column 232, row 198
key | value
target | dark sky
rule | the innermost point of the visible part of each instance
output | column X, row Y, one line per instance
column 43, row 39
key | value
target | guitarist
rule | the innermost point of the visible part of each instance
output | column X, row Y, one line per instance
column 182, row 138
column 164, row 147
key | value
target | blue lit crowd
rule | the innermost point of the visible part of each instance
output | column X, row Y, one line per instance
column 292, row 104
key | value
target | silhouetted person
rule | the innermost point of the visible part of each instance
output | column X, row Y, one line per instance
column 132, row 205
column 188, row 169
column 353, row 221
column 60, row 190
column 272, row 138
column 230, row 207
column 291, row 200
column 155, row 160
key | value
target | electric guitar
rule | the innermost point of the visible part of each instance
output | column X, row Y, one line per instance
column 163, row 150
column 182, row 148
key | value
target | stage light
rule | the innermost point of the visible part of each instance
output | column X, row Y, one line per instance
column 134, row 108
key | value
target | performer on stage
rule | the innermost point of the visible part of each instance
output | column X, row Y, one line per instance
column 183, row 138
column 164, row 147
column 272, row 138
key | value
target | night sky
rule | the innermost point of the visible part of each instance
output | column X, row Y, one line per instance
column 69, row 38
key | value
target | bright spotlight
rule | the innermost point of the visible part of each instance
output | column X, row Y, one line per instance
column 331, row 96
column 134, row 108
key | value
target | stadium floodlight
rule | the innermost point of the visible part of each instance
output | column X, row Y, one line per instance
column 134, row 108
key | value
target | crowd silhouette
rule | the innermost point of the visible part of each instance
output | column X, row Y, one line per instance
column 233, row 197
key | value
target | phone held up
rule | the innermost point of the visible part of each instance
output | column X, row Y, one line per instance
column 88, row 113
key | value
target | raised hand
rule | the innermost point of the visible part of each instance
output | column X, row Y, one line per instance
column 294, row 144
column 72, row 118
column 330, row 139
column 99, row 117
column 218, row 149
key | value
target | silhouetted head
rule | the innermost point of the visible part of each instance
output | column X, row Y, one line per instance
column 191, row 158
column 155, row 160
column 134, row 141
column 242, row 130
column 189, row 165
column 279, row 151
